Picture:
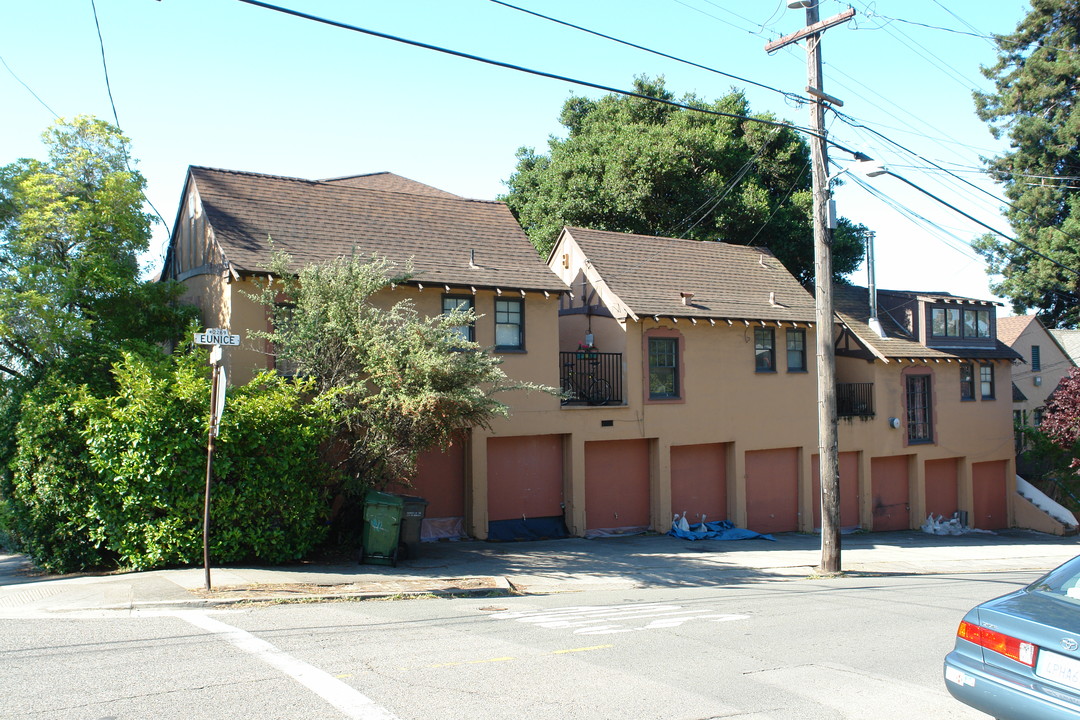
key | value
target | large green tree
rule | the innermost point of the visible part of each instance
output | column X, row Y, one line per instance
column 71, row 231
column 634, row 165
column 1035, row 105
column 71, row 301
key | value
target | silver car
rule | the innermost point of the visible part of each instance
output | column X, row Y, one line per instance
column 1018, row 657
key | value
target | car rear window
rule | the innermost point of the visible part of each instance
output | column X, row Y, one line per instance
column 1064, row 582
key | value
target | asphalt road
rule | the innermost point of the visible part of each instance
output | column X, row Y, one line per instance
column 852, row 647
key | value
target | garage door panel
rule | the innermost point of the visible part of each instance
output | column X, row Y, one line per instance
column 772, row 490
column 849, row 490
column 525, row 477
column 440, row 479
column 890, row 489
column 990, row 500
column 942, row 496
column 699, row 481
column 617, row 484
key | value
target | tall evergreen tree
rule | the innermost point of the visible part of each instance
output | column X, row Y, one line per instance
column 1034, row 105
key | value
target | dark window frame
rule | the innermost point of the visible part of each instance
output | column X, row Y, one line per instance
column 967, row 382
column 986, row 369
column 919, row 408
column 470, row 329
column 520, row 324
column 770, row 364
column 945, row 313
column 959, row 317
column 801, row 350
column 1036, row 358
column 671, row 368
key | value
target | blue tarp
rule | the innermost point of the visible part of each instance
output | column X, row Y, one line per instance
column 716, row 531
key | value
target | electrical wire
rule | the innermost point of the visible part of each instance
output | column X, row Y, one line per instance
column 1012, row 206
column 28, row 88
column 542, row 73
column 959, row 245
column 104, row 65
column 720, row 20
column 116, row 118
column 786, row 94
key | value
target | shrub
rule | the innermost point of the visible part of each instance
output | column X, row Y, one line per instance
column 148, row 443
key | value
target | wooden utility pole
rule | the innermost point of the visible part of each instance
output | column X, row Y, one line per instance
column 828, row 453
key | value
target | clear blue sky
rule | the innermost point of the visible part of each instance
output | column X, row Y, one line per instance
column 229, row 85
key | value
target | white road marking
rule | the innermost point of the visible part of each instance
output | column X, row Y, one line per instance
column 599, row 619
column 354, row 704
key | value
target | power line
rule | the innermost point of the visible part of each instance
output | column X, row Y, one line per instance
column 720, row 20
column 116, row 118
column 851, row 121
column 1011, row 239
column 541, row 73
column 786, row 94
column 28, row 88
column 104, row 65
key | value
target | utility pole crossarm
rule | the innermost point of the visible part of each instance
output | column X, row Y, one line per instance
column 810, row 30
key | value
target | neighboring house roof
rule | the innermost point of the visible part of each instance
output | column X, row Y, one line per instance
column 647, row 276
column 450, row 240
column 1018, row 395
column 852, row 305
column 1069, row 340
column 1009, row 329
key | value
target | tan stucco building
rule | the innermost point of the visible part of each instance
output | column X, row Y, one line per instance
column 689, row 366
column 1044, row 364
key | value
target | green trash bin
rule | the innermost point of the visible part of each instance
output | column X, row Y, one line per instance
column 381, row 536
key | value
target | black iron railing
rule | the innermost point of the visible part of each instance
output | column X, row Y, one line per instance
column 855, row 399
column 591, row 378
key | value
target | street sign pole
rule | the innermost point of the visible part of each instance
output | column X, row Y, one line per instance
column 209, row 469
column 215, row 337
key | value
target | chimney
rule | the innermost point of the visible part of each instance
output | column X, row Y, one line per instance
column 874, row 323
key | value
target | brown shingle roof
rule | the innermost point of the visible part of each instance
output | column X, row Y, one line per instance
column 315, row 221
column 1010, row 328
column 852, row 306
column 390, row 181
column 735, row 282
column 1069, row 340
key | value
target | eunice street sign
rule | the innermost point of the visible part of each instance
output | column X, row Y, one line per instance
column 216, row 336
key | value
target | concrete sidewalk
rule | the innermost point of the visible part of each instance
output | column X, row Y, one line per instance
column 474, row 567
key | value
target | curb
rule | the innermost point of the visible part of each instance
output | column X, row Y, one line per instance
column 500, row 587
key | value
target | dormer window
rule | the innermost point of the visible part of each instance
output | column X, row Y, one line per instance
column 957, row 323
column 977, row 323
column 945, row 322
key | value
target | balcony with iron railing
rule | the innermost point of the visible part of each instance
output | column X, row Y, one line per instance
column 591, row 378
column 855, row 400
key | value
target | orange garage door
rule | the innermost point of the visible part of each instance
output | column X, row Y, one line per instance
column 988, row 488
column 525, row 476
column 941, row 488
column 616, row 485
column 849, row 490
column 699, row 481
column 772, row 490
column 889, row 486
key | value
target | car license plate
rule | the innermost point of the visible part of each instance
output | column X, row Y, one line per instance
column 1059, row 668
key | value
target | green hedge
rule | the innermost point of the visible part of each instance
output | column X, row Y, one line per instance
column 120, row 477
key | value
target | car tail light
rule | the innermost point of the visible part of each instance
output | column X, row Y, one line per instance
column 1013, row 648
